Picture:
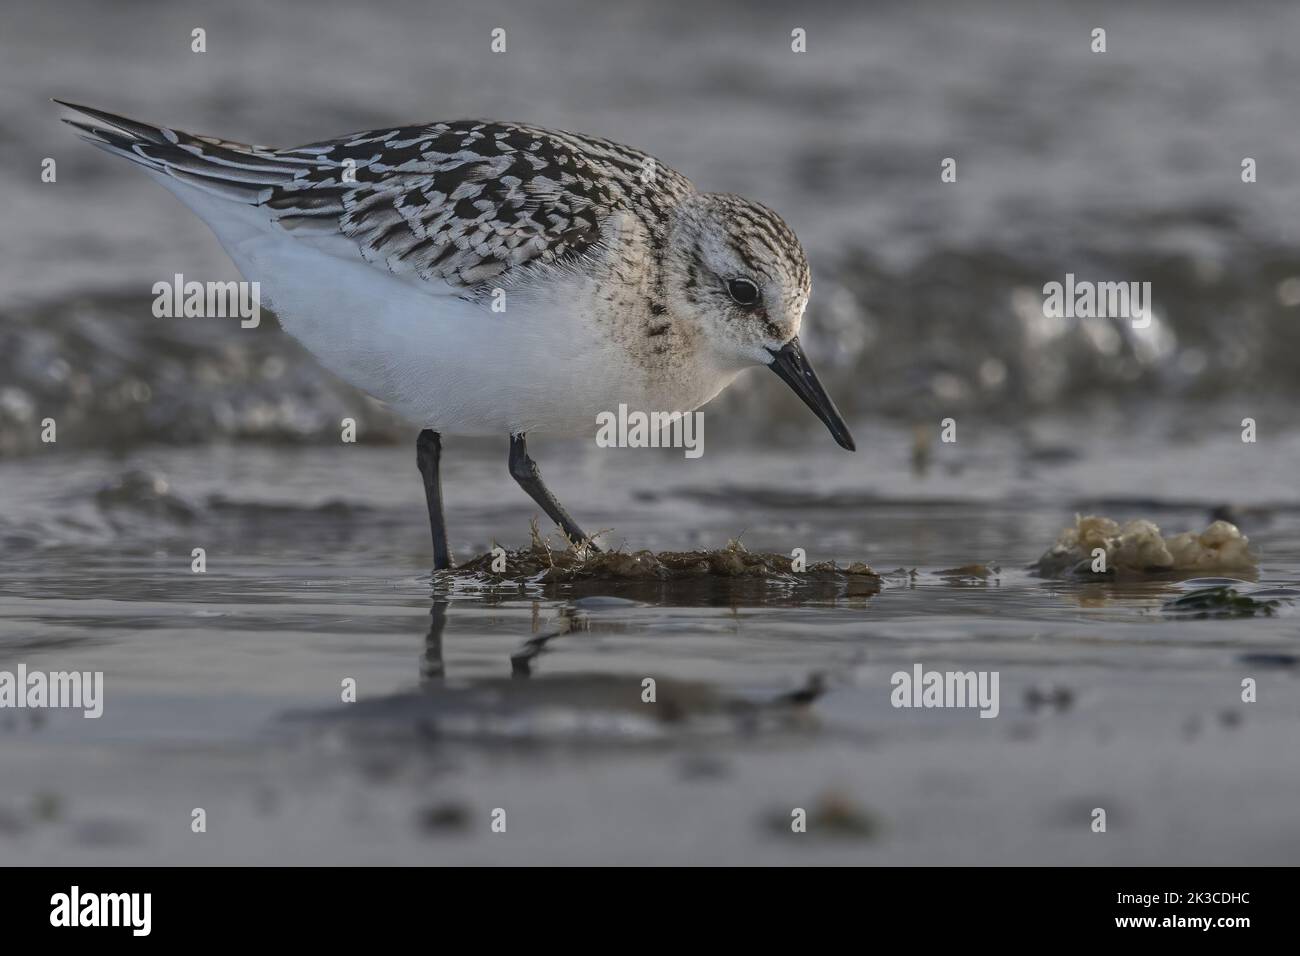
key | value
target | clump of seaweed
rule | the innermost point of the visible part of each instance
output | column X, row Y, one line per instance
column 1097, row 545
column 1220, row 601
column 541, row 563
column 970, row 573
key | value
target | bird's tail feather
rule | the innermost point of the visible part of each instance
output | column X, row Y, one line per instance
column 233, row 171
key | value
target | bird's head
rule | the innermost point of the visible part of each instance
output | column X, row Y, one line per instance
column 736, row 269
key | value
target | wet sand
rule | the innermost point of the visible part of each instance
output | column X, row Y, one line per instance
column 223, row 689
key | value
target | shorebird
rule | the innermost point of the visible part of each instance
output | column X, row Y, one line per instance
column 496, row 278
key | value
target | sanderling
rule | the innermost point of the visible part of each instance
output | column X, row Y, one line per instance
column 490, row 278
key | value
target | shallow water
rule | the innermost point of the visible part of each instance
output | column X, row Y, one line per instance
column 223, row 688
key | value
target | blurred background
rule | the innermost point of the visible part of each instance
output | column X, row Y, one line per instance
column 223, row 687
column 1122, row 166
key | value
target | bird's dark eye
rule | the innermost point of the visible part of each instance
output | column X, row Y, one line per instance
column 743, row 292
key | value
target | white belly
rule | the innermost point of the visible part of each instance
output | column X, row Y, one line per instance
column 440, row 361
column 444, row 363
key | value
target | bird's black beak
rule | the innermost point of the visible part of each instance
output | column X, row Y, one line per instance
column 791, row 364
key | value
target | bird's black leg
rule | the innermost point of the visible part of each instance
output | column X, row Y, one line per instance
column 428, row 455
column 524, row 470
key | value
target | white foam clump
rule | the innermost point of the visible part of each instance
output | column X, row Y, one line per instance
column 1138, row 547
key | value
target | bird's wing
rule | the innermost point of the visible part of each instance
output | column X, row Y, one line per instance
column 465, row 203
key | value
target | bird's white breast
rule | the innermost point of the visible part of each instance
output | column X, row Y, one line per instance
column 548, row 361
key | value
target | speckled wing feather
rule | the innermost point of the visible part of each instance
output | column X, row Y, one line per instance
column 467, row 203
